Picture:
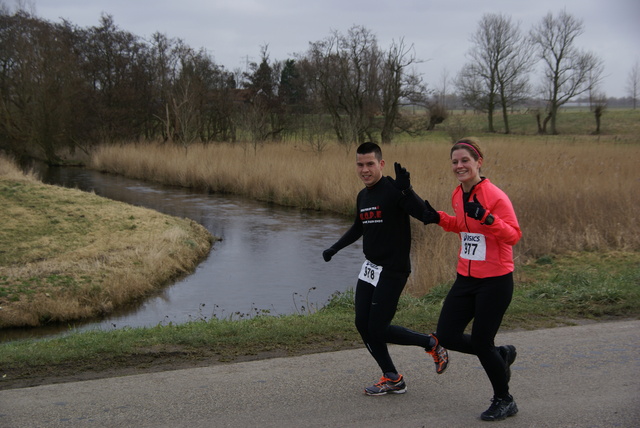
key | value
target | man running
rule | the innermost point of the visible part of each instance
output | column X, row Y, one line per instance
column 382, row 219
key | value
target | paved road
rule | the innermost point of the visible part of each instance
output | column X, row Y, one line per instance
column 583, row 376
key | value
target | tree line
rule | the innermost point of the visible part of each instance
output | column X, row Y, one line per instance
column 67, row 88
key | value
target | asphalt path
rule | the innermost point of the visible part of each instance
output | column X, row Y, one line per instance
column 580, row 376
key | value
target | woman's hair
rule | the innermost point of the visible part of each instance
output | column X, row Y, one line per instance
column 470, row 144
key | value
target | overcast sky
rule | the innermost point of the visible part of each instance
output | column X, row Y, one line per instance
column 233, row 31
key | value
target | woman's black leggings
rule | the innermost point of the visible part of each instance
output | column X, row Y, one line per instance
column 375, row 308
column 485, row 300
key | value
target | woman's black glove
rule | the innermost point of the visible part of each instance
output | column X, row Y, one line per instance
column 327, row 254
column 474, row 209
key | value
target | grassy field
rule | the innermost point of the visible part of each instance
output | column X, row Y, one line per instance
column 67, row 254
column 578, row 260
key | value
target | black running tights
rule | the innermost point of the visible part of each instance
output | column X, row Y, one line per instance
column 375, row 308
column 483, row 300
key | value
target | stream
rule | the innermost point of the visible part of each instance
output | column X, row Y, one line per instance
column 268, row 261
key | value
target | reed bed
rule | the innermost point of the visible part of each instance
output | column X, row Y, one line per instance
column 570, row 193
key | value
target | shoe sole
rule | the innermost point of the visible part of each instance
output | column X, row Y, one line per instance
column 444, row 366
column 376, row 394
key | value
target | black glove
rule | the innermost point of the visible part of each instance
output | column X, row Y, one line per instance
column 327, row 254
column 430, row 215
column 402, row 181
column 474, row 209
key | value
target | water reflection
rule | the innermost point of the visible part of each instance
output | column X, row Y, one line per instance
column 269, row 259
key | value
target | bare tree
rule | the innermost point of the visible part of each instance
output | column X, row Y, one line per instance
column 497, row 75
column 442, row 90
column 181, row 87
column 39, row 88
column 456, row 129
column 397, row 85
column 344, row 77
column 470, row 85
column 315, row 133
column 437, row 114
column 633, row 83
column 356, row 83
column 568, row 71
column 267, row 110
column 113, row 66
column 599, row 105
column 164, row 65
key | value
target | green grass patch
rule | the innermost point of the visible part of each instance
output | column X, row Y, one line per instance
column 577, row 286
column 573, row 122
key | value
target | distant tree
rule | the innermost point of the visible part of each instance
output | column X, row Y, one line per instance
column 64, row 88
column 315, row 133
column 456, row 129
column 633, row 83
column 189, row 97
column 497, row 74
column 40, row 88
column 114, row 67
column 396, row 85
column 295, row 103
column 360, row 86
column 437, row 115
column 291, row 88
column 260, row 77
column 164, row 64
column 599, row 103
column 568, row 71
column 264, row 114
column 472, row 90
column 342, row 73
column 442, row 90
column 221, row 107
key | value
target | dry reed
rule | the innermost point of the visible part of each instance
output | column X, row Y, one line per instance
column 10, row 170
column 570, row 194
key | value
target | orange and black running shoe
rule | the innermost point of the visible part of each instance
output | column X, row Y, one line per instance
column 440, row 356
column 387, row 385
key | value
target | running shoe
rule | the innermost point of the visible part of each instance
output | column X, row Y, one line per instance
column 500, row 409
column 387, row 385
column 508, row 353
column 440, row 356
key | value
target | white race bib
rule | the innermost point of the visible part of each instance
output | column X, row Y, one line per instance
column 473, row 246
column 370, row 273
